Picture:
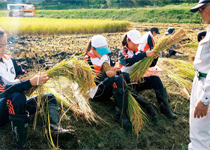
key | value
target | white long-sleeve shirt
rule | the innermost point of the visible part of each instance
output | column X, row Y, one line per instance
column 202, row 64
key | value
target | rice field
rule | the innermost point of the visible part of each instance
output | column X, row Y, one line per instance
column 37, row 26
column 48, row 49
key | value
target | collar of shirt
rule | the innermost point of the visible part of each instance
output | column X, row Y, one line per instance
column 150, row 33
column 134, row 52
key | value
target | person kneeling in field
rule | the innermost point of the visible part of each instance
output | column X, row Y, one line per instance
column 128, row 57
column 109, row 82
column 14, row 106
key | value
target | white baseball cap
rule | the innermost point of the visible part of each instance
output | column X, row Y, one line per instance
column 100, row 44
column 134, row 36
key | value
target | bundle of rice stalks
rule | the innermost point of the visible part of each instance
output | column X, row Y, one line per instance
column 182, row 68
column 142, row 66
column 181, row 72
column 136, row 114
column 181, row 82
column 74, row 70
column 77, row 103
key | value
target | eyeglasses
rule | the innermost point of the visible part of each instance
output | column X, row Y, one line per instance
column 203, row 7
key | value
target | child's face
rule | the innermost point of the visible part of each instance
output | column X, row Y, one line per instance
column 3, row 44
column 96, row 53
column 132, row 46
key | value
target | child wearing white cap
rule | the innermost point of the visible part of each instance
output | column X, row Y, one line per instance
column 128, row 57
column 110, row 82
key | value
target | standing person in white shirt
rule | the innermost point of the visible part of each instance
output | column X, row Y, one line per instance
column 147, row 42
column 200, row 96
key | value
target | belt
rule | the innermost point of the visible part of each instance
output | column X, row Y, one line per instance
column 200, row 74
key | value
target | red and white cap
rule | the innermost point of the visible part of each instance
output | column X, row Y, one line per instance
column 134, row 36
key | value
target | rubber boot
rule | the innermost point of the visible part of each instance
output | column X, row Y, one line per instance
column 162, row 99
column 19, row 124
column 148, row 106
column 121, row 101
column 54, row 120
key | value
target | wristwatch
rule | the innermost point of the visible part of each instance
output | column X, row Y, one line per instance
column 205, row 103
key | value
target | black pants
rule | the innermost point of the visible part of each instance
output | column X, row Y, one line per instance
column 16, row 103
column 105, row 90
column 151, row 82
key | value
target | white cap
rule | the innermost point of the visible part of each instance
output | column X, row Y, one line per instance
column 100, row 44
column 134, row 36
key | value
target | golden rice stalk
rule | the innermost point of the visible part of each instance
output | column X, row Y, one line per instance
column 181, row 82
column 73, row 69
column 185, row 93
column 168, row 41
column 142, row 66
column 183, row 69
column 78, row 104
column 136, row 114
column 181, row 72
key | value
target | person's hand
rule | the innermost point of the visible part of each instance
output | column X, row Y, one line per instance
column 39, row 80
column 150, row 53
column 200, row 110
column 116, row 69
column 111, row 73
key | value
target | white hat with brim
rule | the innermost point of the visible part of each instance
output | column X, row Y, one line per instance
column 199, row 5
column 100, row 44
column 134, row 36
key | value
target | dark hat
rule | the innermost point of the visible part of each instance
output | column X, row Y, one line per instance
column 199, row 5
column 170, row 31
column 155, row 29
column 200, row 34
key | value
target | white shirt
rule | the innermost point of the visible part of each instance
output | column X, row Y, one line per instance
column 7, row 71
column 128, row 68
column 143, row 41
column 202, row 64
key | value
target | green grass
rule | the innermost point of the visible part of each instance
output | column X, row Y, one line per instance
column 167, row 14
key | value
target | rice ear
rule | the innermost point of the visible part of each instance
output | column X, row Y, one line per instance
column 136, row 114
column 142, row 66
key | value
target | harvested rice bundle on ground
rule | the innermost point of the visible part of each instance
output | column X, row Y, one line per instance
column 182, row 68
column 179, row 71
column 142, row 66
column 72, row 99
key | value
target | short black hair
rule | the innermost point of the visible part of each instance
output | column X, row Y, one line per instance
column 200, row 34
column 155, row 29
